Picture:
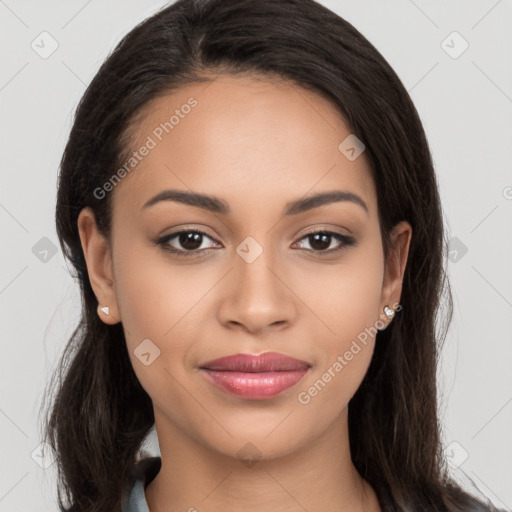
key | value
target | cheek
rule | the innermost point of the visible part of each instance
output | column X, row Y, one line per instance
column 162, row 303
column 343, row 299
column 154, row 295
column 345, row 349
column 345, row 305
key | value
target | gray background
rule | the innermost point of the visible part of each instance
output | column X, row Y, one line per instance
column 465, row 101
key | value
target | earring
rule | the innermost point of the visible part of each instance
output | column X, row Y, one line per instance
column 105, row 310
column 389, row 312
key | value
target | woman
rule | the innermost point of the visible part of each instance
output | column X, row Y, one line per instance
column 249, row 200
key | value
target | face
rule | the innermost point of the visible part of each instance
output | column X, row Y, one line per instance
column 245, row 272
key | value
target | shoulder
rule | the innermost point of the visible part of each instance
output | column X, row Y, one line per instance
column 142, row 474
column 146, row 469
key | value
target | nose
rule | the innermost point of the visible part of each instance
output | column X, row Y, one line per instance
column 257, row 296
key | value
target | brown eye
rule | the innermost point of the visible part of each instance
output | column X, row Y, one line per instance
column 320, row 241
column 188, row 242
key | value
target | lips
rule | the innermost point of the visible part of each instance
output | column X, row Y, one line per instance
column 247, row 363
column 255, row 377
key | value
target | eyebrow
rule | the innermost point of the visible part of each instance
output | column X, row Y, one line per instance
column 217, row 205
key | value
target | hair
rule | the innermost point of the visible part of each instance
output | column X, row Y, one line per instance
column 100, row 414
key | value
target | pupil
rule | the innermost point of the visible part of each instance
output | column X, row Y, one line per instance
column 190, row 240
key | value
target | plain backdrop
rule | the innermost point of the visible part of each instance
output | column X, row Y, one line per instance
column 455, row 59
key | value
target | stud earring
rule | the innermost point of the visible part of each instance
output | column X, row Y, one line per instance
column 105, row 310
column 389, row 312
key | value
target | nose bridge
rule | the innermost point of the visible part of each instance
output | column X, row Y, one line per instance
column 254, row 266
column 255, row 269
column 257, row 296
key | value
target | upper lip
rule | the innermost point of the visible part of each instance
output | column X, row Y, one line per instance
column 265, row 362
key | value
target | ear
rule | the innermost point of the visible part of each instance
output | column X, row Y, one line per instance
column 98, row 258
column 396, row 260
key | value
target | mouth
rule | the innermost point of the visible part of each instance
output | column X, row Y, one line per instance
column 255, row 377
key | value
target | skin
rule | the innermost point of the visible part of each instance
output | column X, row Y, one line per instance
column 257, row 144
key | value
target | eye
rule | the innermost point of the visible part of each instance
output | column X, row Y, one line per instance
column 319, row 241
column 191, row 240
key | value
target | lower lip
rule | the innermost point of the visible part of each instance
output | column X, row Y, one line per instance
column 254, row 386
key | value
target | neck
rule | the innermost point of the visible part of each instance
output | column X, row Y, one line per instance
column 319, row 475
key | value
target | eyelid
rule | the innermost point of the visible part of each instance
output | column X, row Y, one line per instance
column 314, row 228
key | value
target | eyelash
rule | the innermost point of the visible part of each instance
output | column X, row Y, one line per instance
column 347, row 241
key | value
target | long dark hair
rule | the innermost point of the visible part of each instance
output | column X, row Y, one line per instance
column 100, row 414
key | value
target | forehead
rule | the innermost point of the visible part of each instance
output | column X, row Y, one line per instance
column 245, row 138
